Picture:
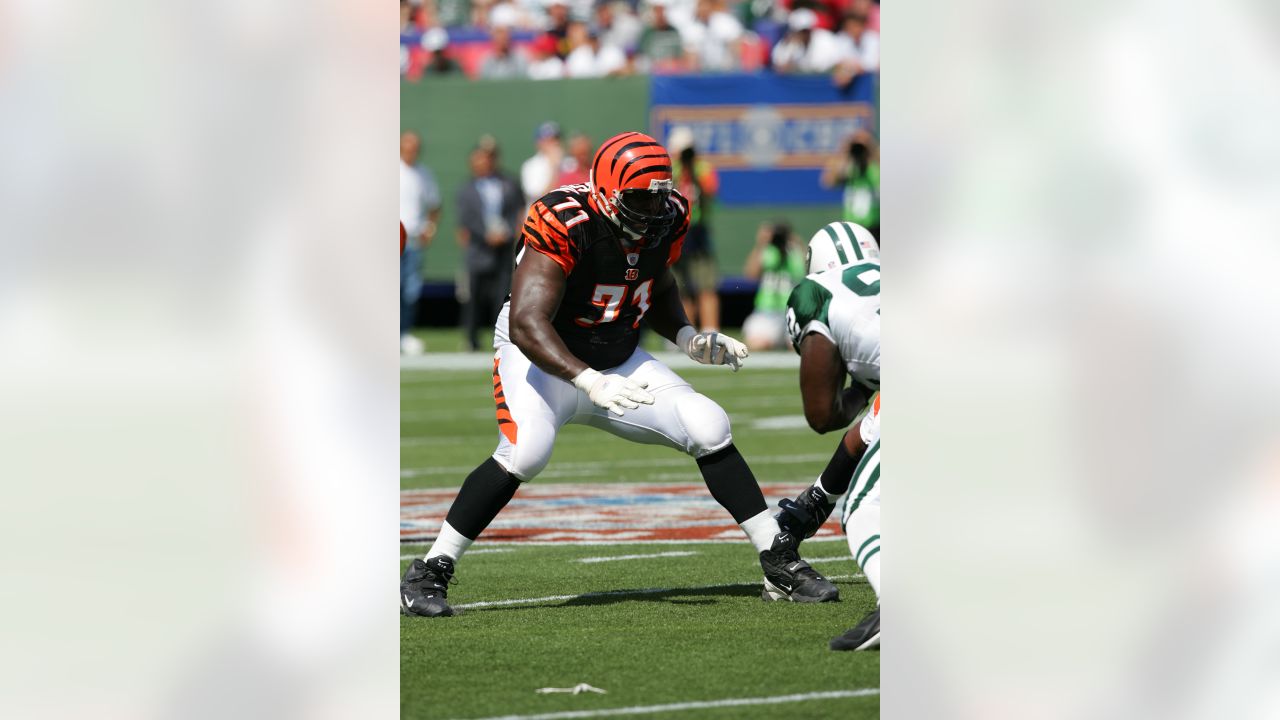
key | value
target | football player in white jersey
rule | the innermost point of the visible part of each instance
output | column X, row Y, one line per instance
column 833, row 318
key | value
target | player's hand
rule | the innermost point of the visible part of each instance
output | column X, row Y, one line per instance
column 711, row 348
column 614, row 393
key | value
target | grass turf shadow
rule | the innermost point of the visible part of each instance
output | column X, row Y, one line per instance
column 671, row 596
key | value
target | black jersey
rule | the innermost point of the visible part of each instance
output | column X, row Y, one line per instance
column 608, row 286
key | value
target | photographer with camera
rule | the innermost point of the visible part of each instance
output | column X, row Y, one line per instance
column 777, row 262
column 857, row 168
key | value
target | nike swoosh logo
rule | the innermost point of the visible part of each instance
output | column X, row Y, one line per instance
column 407, row 601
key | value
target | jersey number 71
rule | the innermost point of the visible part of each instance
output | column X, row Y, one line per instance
column 609, row 298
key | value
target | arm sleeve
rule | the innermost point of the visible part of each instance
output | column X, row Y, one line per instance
column 545, row 233
column 807, row 312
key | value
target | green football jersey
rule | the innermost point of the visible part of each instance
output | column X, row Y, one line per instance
column 843, row 305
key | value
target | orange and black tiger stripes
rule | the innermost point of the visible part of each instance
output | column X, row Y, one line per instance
column 632, row 157
column 506, row 424
column 608, row 151
column 548, row 234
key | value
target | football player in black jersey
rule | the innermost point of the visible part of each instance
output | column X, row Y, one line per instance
column 593, row 261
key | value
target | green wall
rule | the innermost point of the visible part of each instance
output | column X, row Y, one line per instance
column 452, row 113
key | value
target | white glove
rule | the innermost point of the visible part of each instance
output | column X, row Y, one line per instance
column 711, row 348
column 612, row 392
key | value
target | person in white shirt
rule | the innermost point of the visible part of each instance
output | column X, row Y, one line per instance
column 539, row 173
column 859, row 48
column 591, row 58
column 419, row 213
column 546, row 65
column 806, row 48
column 618, row 26
column 713, row 40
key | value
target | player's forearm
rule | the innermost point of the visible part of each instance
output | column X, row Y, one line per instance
column 826, row 417
column 844, row 409
column 539, row 341
column 667, row 316
column 844, row 406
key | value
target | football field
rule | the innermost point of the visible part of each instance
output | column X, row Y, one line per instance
column 615, row 569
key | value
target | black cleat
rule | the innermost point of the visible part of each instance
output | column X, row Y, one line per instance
column 787, row 577
column 803, row 516
column 866, row 636
column 425, row 586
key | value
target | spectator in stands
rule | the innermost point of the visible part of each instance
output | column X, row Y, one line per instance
column 419, row 214
column 451, row 13
column 490, row 207
column 617, row 26
column 588, row 57
column 436, row 41
column 857, row 167
column 661, row 48
column 546, row 64
column 697, row 181
column 778, row 263
column 869, row 9
column 406, row 17
column 859, row 49
column 713, row 40
column 506, row 61
column 521, row 14
column 539, row 173
column 806, row 48
column 577, row 167
column 480, row 10
column 558, row 25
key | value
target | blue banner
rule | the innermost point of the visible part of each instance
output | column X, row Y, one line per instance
column 767, row 135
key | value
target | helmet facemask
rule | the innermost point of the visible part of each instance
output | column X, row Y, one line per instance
column 632, row 185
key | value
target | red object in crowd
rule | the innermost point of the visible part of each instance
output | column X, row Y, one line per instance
column 403, row 237
column 545, row 43
column 574, row 177
column 831, row 13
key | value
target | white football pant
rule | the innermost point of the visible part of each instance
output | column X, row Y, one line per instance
column 532, row 406
column 860, row 517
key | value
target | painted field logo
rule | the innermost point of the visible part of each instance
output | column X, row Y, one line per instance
column 589, row 514
column 764, row 136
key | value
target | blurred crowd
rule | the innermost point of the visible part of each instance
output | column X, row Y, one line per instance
column 547, row 39
column 490, row 206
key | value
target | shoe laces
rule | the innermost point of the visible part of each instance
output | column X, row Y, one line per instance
column 440, row 579
column 445, row 579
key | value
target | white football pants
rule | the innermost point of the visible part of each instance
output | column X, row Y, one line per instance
column 532, row 406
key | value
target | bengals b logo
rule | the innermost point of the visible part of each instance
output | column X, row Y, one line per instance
column 632, row 273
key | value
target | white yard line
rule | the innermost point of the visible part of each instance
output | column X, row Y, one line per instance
column 696, row 705
column 617, row 593
column 674, row 360
column 611, row 558
column 604, row 543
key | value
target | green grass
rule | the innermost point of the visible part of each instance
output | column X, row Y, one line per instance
column 690, row 643
column 450, row 339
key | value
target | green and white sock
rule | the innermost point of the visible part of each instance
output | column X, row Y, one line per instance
column 861, row 516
